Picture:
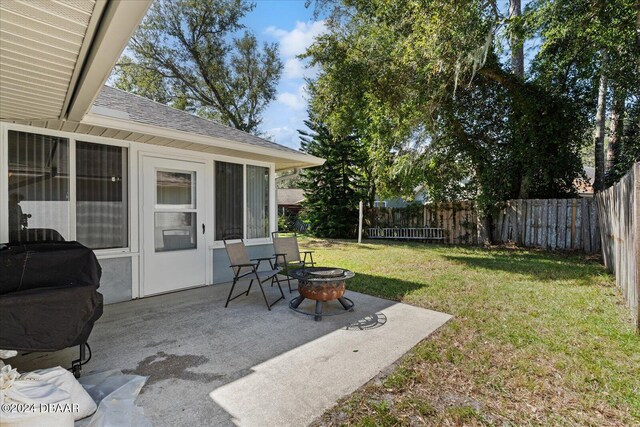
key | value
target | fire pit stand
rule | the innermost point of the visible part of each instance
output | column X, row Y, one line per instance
column 321, row 284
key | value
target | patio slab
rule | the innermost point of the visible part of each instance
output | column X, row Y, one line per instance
column 244, row 365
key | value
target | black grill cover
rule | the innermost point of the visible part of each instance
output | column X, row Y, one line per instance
column 48, row 295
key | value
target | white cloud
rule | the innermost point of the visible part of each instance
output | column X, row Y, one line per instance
column 285, row 135
column 294, row 69
column 292, row 100
column 297, row 41
column 295, row 100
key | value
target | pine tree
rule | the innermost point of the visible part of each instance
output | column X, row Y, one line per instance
column 333, row 190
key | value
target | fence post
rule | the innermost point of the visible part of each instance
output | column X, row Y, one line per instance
column 360, row 222
column 635, row 258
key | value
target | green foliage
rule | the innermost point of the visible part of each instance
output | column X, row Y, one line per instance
column 188, row 49
column 630, row 148
column 333, row 190
column 422, row 83
column 133, row 78
column 576, row 37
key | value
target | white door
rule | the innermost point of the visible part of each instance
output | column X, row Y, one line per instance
column 173, row 225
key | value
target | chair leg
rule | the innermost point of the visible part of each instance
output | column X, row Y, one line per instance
column 279, row 287
column 250, row 283
column 231, row 292
column 286, row 271
column 264, row 295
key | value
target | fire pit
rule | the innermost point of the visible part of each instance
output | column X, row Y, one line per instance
column 321, row 284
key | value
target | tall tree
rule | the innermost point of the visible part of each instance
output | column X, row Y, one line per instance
column 333, row 190
column 191, row 45
column 600, row 125
column 616, row 130
column 423, row 80
column 517, row 43
column 587, row 47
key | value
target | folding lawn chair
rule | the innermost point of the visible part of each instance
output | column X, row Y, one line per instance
column 289, row 256
column 243, row 267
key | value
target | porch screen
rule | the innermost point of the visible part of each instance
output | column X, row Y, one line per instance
column 229, row 195
column 38, row 187
column 101, row 196
column 257, row 202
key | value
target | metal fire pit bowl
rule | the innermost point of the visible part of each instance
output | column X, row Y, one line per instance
column 321, row 284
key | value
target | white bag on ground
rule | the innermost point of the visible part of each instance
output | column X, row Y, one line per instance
column 115, row 393
column 29, row 403
column 65, row 380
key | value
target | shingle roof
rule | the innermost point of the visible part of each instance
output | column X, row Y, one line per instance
column 145, row 111
column 289, row 196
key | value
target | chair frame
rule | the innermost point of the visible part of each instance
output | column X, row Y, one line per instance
column 254, row 274
column 302, row 259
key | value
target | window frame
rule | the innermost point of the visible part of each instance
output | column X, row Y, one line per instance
column 272, row 199
column 246, row 202
column 72, row 155
column 135, row 149
column 72, row 137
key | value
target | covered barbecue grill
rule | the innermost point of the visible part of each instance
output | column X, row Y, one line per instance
column 49, row 297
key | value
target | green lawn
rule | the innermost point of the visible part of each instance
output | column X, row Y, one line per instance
column 537, row 338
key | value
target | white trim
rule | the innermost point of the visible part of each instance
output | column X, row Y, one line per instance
column 4, row 184
column 72, row 202
column 117, row 23
column 116, row 123
column 244, row 200
column 273, row 202
column 247, row 242
column 135, row 277
column 100, row 255
column 92, row 27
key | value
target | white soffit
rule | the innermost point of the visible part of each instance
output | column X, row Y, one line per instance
column 56, row 54
column 40, row 43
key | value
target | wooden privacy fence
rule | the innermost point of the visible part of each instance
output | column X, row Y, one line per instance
column 453, row 223
column 550, row 224
column 556, row 224
column 619, row 208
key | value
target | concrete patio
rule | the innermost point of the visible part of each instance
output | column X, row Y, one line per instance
column 244, row 365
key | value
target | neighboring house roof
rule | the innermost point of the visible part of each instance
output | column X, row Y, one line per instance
column 290, row 196
column 124, row 105
column 586, row 187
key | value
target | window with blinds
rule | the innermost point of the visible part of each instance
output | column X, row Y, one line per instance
column 257, row 202
column 38, row 187
column 229, row 196
column 101, row 196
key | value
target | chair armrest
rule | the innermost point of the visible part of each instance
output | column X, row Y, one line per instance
column 279, row 254
column 251, row 264
column 262, row 259
column 307, row 252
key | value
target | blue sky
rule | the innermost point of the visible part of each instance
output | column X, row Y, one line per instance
column 292, row 26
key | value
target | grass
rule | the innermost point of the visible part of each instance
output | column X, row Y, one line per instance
column 537, row 338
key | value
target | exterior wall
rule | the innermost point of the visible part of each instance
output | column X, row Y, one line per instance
column 121, row 279
column 221, row 271
column 116, row 281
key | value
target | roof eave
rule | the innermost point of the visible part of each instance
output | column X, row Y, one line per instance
column 293, row 159
column 110, row 32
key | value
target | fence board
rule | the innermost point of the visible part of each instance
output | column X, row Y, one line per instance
column 619, row 224
column 550, row 224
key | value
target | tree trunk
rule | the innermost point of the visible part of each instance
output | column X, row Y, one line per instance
column 615, row 129
column 517, row 45
column 600, row 122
